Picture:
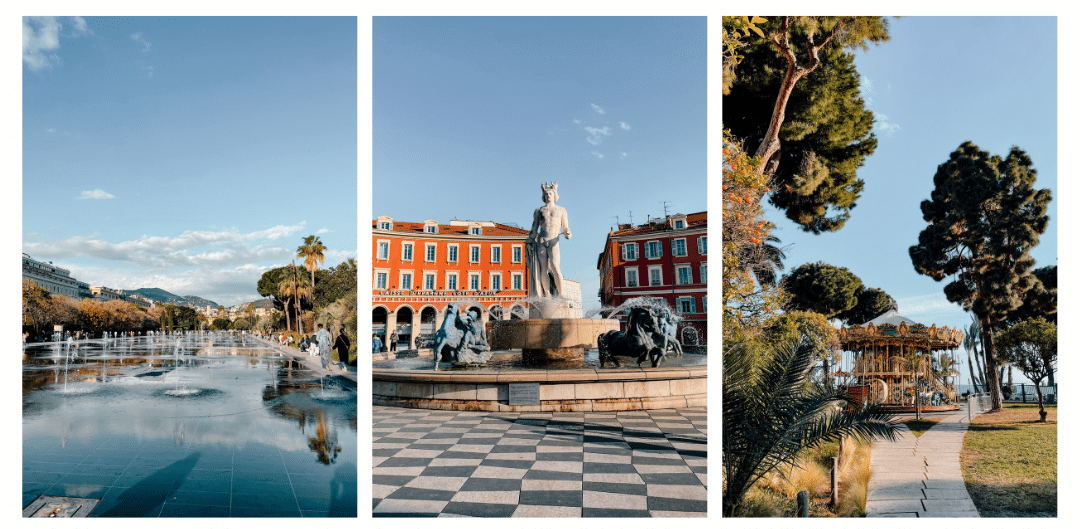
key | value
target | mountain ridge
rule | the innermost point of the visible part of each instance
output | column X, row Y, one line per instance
column 164, row 296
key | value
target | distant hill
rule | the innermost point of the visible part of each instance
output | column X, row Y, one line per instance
column 164, row 296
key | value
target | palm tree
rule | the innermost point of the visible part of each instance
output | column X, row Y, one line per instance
column 312, row 252
column 771, row 413
column 972, row 345
column 772, row 261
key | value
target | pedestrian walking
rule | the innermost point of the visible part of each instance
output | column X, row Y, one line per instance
column 376, row 344
column 341, row 345
column 323, row 337
column 393, row 341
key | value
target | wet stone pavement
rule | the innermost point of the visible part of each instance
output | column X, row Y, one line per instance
column 199, row 425
column 650, row 463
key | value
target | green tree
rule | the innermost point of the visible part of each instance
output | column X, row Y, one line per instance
column 800, row 87
column 822, row 288
column 984, row 215
column 1041, row 300
column 770, row 415
column 869, row 304
column 221, row 324
column 269, row 285
column 1031, row 346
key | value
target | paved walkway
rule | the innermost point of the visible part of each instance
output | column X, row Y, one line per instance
column 921, row 477
column 313, row 363
column 432, row 463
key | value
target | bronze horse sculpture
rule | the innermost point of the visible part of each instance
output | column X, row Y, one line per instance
column 637, row 342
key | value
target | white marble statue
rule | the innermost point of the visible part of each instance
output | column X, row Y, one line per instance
column 542, row 246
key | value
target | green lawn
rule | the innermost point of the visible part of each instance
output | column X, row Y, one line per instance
column 1009, row 462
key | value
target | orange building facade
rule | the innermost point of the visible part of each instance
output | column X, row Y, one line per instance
column 665, row 258
column 418, row 268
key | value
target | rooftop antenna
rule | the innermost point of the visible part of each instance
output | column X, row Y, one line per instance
column 631, row 218
column 665, row 203
column 617, row 223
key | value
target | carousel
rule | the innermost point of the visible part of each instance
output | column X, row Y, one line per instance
column 892, row 361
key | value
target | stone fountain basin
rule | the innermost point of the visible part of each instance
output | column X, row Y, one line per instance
column 596, row 389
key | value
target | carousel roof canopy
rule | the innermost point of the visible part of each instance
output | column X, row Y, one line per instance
column 891, row 317
column 893, row 328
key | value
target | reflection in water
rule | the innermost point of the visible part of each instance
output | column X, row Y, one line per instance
column 231, row 395
column 325, row 441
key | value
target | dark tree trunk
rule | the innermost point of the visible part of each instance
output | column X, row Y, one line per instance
column 993, row 383
column 1038, row 392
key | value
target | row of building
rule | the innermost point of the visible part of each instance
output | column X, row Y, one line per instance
column 418, row 268
column 57, row 280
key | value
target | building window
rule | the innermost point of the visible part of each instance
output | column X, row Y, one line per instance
column 496, row 254
column 680, row 224
column 516, row 254
column 474, row 231
column 384, row 226
column 631, row 278
column 380, row 280
column 429, row 281
column 685, row 275
column 474, row 254
column 704, row 304
column 406, row 251
column 701, row 245
column 703, row 267
column 686, row 305
column 384, row 250
column 406, row 281
column 653, row 250
column 515, row 281
column 655, row 277
column 451, row 253
column 474, row 282
column 496, row 282
column 629, row 251
column 429, row 253
column 678, row 247
column 430, row 229
column 451, row 282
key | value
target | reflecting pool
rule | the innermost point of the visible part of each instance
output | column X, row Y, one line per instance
column 195, row 426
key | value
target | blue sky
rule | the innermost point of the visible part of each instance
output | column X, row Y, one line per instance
column 937, row 83
column 471, row 115
column 188, row 153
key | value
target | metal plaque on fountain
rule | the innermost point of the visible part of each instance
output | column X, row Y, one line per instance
column 524, row 394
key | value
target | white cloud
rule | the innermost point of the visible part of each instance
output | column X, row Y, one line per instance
column 623, row 125
column 598, row 155
column 884, row 126
column 223, row 265
column 577, row 122
column 597, row 108
column 596, row 134
column 623, row 155
column 322, row 231
column 96, row 194
column 137, row 37
column 41, row 35
column 50, row 131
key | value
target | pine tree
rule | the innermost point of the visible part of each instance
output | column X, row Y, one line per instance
column 799, row 86
column 984, row 215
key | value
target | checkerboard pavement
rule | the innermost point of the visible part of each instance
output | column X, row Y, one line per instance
column 649, row 463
